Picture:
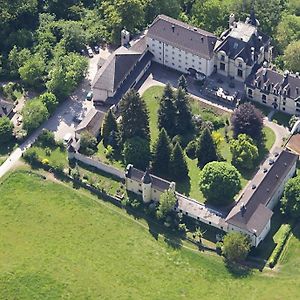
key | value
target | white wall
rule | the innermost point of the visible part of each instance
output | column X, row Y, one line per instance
column 179, row 59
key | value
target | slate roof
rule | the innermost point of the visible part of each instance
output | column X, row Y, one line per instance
column 115, row 69
column 238, row 41
column 251, row 212
column 137, row 175
column 6, row 108
column 270, row 81
column 183, row 36
column 92, row 122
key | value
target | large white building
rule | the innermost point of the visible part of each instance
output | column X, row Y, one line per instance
column 180, row 46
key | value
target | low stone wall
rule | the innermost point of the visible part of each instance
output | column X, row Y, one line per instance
column 99, row 165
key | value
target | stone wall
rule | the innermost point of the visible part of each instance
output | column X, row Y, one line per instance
column 99, row 165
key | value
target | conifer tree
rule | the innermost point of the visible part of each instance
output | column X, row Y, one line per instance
column 109, row 128
column 206, row 150
column 134, row 117
column 178, row 166
column 161, row 154
column 182, row 83
column 184, row 115
column 167, row 111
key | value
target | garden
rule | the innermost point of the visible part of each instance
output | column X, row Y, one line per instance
column 217, row 119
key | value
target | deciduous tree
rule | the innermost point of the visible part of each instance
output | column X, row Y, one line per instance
column 167, row 202
column 247, row 119
column 50, row 101
column 291, row 56
column 219, row 183
column 244, row 152
column 6, row 130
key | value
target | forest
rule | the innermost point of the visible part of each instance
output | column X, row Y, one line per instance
column 41, row 40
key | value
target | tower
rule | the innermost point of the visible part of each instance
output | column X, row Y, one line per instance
column 146, row 185
column 231, row 20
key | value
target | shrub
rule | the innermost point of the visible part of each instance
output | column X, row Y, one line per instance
column 45, row 161
column 191, row 149
column 279, row 247
column 31, row 156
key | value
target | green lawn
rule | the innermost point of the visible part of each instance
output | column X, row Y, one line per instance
column 56, row 157
column 59, row 243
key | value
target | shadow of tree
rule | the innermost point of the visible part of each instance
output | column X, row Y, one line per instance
column 184, row 187
column 238, row 270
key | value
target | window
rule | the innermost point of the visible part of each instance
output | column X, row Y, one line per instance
column 222, row 66
column 166, row 61
column 140, row 184
column 298, row 104
column 159, row 47
column 283, row 108
column 172, row 64
column 283, row 103
column 140, row 191
column 179, row 60
column 264, row 98
column 240, row 73
column 179, row 55
column 159, row 42
column 173, row 57
column 240, row 64
column 250, row 93
column 222, row 57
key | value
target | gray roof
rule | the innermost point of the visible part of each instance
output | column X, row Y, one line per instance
column 137, row 175
column 183, row 36
column 270, row 81
column 147, row 178
column 92, row 122
column 239, row 41
column 6, row 108
column 115, row 69
column 251, row 211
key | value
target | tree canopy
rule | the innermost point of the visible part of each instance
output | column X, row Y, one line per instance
column 178, row 166
column 6, row 130
column 167, row 202
column 219, row 183
column 134, row 117
column 247, row 119
column 244, row 152
column 290, row 203
column 291, row 56
column 236, row 246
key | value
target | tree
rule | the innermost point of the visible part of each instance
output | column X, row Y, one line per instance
column 6, row 130
column 88, row 143
column 167, row 202
column 206, row 148
column 50, row 101
column 161, row 154
column 291, row 56
column 184, row 122
column 290, row 203
column 134, row 117
column 244, row 152
column 219, row 183
column 178, row 166
column 34, row 114
column 109, row 128
column 288, row 31
column 137, row 152
column 236, row 246
column 32, row 71
column 167, row 111
column 247, row 119
column 16, row 59
column 73, row 35
column 182, row 83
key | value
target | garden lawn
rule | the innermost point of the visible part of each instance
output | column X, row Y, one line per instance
column 56, row 157
column 60, row 243
column 191, row 187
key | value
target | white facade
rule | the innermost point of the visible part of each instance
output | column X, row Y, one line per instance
column 179, row 59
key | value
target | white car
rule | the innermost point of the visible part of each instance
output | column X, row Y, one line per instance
column 89, row 51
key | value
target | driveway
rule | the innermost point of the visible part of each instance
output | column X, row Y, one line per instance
column 61, row 122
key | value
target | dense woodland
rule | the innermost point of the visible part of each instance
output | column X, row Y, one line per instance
column 36, row 35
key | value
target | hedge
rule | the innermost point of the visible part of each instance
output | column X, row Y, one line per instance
column 279, row 247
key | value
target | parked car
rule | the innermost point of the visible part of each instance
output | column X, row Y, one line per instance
column 89, row 51
column 96, row 49
column 89, row 96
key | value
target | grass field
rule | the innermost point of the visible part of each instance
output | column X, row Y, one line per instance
column 59, row 243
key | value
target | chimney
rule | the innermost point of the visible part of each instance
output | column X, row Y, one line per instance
column 243, row 209
column 173, row 28
column 231, row 20
column 252, row 53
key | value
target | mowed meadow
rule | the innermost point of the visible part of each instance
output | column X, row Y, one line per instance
column 57, row 242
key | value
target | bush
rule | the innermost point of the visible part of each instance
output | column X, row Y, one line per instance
column 191, row 149
column 46, row 138
column 45, row 161
column 31, row 156
column 88, row 143
column 279, row 247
